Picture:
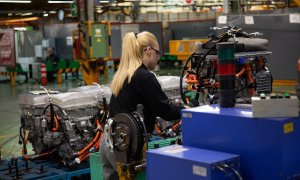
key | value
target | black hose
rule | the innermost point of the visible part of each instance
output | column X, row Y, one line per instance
column 204, row 56
column 23, row 140
column 237, row 174
column 52, row 113
column 60, row 124
column 224, row 171
column 104, row 104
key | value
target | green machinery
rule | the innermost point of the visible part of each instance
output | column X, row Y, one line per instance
column 92, row 48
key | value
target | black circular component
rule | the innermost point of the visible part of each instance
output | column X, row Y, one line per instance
column 128, row 134
column 121, row 137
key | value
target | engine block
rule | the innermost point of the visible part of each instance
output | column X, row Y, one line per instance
column 74, row 133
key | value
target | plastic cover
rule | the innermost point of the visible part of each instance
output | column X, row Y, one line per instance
column 170, row 82
column 73, row 99
column 94, row 91
column 32, row 99
column 80, row 96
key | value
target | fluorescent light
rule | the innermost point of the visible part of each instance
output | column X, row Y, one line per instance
column 52, row 12
column 12, row 1
column 20, row 28
column 60, row 1
column 26, row 14
column 45, row 15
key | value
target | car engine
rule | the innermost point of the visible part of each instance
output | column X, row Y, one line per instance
column 64, row 126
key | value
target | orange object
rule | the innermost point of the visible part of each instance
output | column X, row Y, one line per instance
column 157, row 129
column 191, row 79
column 249, row 78
column 56, row 124
column 93, row 142
column 43, row 74
column 31, row 157
column 176, row 125
column 239, row 74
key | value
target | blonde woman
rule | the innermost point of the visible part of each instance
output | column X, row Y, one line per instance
column 134, row 84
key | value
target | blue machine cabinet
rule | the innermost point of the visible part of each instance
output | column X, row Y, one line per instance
column 178, row 162
column 269, row 148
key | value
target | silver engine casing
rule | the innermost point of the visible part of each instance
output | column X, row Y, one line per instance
column 77, row 126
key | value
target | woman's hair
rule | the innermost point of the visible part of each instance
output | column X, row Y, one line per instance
column 133, row 47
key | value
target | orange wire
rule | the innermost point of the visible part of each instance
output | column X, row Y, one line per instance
column 92, row 142
column 29, row 157
column 97, row 145
column 56, row 124
column 84, row 156
column 176, row 125
column 87, row 153
column 157, row 129
column 250, row 79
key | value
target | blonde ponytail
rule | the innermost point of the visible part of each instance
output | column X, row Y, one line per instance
column 131, row 58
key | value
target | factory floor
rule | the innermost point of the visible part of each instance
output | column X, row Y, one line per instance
column 10, row 111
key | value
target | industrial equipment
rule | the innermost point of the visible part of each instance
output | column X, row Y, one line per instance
column 64, row 126
column 170, row 86
column 183, row 162
column 127, row 138
column 92, row 47
column 268, row 147
column 252, row 76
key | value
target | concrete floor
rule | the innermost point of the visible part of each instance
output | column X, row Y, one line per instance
column 10, row 111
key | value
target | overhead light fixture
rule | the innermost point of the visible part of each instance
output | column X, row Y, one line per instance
column 20, row 28
column 53, row 1
column 20, row 20
column 14, row 1
column 26, row 14
column 45, row 15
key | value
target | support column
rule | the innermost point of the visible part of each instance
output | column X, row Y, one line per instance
column 13, row 79
column 90, row 10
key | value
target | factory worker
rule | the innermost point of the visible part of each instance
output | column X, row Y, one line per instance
column 134, row 84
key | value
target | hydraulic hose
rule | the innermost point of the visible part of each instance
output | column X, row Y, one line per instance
column 238, row 175
column 30, row 157
column 93, row 141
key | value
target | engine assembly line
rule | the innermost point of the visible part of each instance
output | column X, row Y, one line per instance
column 226, row 102
column 217, row 139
